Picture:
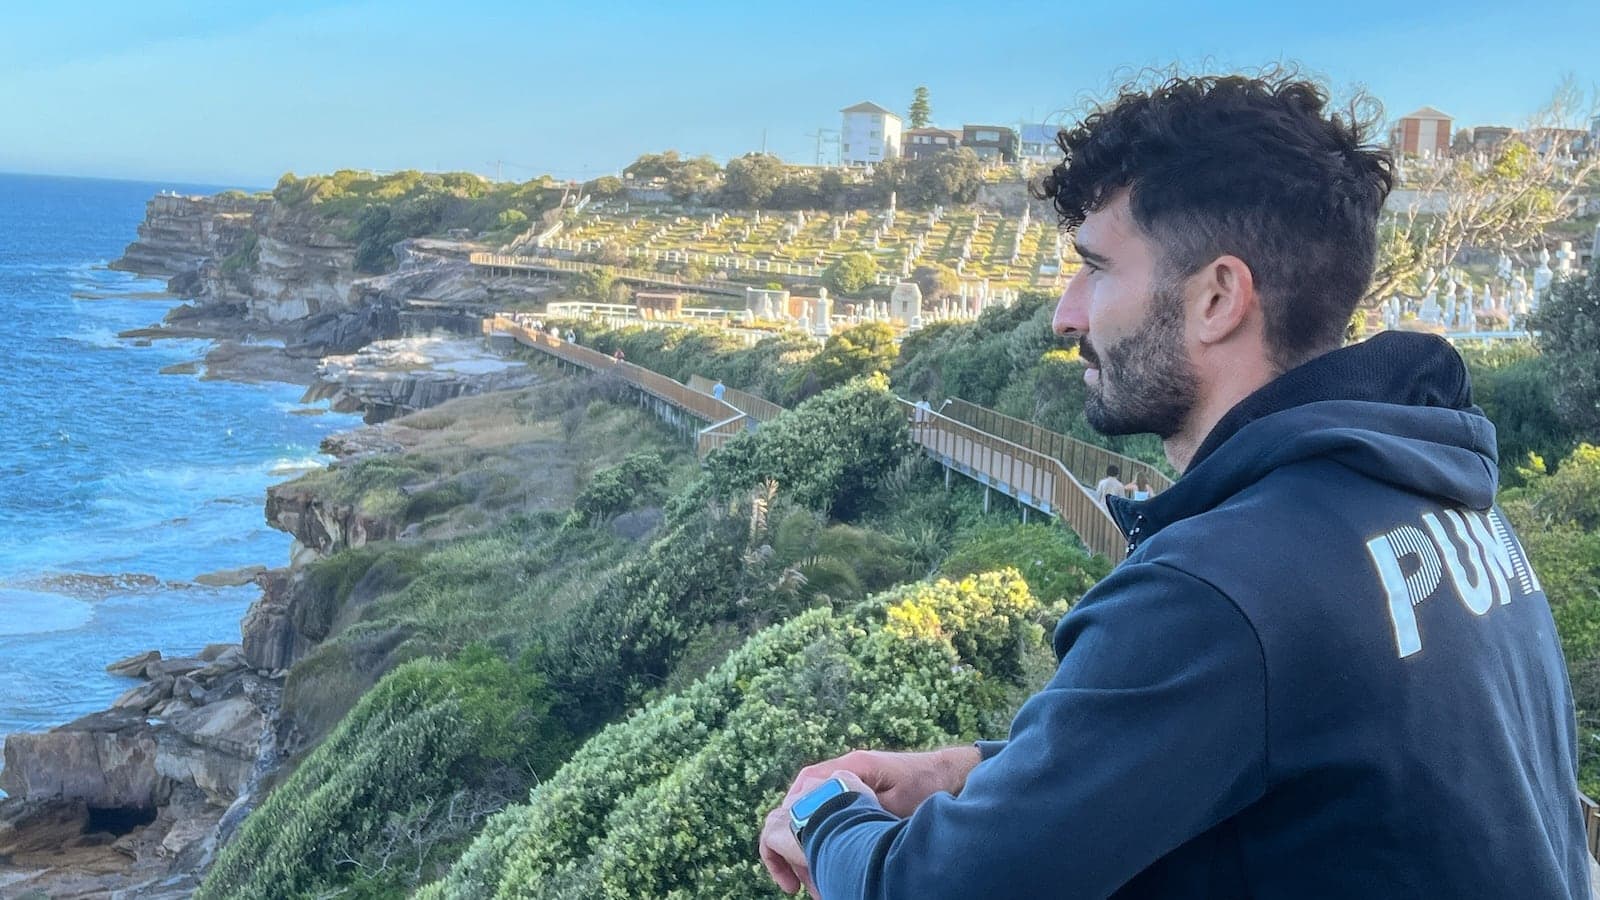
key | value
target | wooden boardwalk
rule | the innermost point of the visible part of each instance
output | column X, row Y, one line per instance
column 1037, row 480
column 502, row 264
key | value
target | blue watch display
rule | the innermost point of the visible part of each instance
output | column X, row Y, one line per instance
column 804, row 809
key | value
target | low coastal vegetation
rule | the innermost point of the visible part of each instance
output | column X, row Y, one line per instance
column 593, row 691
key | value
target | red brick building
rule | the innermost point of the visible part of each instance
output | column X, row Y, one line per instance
column 1425, row 132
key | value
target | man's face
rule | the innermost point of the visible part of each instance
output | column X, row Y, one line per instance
column 1130, row 326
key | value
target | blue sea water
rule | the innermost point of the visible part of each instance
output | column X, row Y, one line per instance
column 108, row 468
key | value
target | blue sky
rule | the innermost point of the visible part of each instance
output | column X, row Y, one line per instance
column 238, row 93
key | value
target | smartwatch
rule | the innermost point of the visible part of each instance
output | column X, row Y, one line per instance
column 806, row 808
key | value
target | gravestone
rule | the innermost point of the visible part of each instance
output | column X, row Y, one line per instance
column 905, row 302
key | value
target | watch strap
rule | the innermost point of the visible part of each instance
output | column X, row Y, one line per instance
column 829, row 807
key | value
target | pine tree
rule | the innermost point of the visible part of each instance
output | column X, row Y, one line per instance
column 920, row 111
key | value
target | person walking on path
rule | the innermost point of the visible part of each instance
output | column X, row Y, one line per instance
column 1109, row 486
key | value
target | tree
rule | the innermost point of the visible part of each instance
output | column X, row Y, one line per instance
column 936, row 281
column 750, row 180
column 611, row 253
column 604, row 187
column 850, row 273
column 920, row 112
column 1567, row 326
column 864, row 349
column 654, row 165
column 693, row 178
column 950, row 177
column 1504, row 204
column 598, row 285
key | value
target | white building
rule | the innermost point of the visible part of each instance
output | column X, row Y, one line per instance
column 870, row 135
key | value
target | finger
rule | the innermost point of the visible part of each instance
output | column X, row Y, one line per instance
column 782, row 873
column 777, row 865
column 867, row 764
column 802, row 785
column 853, row 781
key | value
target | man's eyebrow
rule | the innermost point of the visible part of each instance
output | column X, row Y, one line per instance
column 1090, row 256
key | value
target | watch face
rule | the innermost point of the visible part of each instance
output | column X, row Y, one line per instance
column 822, row 793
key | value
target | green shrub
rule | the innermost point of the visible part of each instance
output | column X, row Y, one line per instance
column 1514, row 386
column 425, row 730
column 862, row 350
column 1057, row 568
column 1557, row 516
column 850, row 274
column 639, row 480
column 668, row 802
column 826, row 454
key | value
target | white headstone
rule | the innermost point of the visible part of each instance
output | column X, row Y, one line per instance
column 1430, row 311
column 1566, row 260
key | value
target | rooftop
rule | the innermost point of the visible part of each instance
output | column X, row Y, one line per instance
column 866, row 107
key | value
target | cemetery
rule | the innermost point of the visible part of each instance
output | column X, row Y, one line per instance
column 981, row 247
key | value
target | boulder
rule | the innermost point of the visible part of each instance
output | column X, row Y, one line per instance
column 213, row 747
column 134, row 666
column 186, row 688
column 33, row 826
column 230, row 577
column 173, row 667
column 107, row 760
column 145, row 696
column 227, row 662
column 212, row 651
column 170, row 707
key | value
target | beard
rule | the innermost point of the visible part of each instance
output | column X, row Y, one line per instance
column 1146, row 383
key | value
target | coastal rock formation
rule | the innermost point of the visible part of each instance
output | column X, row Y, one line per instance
column 277, row 630
column 280, row 282
column 106, row 760
column 135, row 794
column 320, row 528
column 180, row 234
column 391, row 378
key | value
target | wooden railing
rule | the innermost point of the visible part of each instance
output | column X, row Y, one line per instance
column 759, row 408
column 1085, row 461
column 555, row 264
column 725, row 420
column 1035, row 479
column 712, row 437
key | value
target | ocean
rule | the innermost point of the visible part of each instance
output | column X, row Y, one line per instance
column 118, row 485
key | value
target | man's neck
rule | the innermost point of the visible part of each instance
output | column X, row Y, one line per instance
column 1182, row 446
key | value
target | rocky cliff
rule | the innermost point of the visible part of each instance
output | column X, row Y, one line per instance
column 132, row 798
column 256, row 269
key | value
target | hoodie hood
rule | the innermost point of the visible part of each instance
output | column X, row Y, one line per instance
column 1396, row 408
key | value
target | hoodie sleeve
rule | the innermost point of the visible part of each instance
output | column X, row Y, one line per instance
column 1152, row 731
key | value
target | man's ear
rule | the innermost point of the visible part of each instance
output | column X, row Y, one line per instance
column 1223, row 299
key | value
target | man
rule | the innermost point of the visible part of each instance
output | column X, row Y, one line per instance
column 1326, row 668
column 1109, row 486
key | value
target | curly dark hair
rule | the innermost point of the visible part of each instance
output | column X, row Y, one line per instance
column 1255, row 167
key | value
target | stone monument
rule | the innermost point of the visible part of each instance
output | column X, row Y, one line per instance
column 905, row 302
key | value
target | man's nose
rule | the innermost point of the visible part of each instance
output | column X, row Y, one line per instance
column 1071, row 317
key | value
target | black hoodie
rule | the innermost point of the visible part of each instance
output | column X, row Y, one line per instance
column 1325, row 670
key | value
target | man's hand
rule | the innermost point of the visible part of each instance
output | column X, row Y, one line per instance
column 901, row 781
column 781, row 852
